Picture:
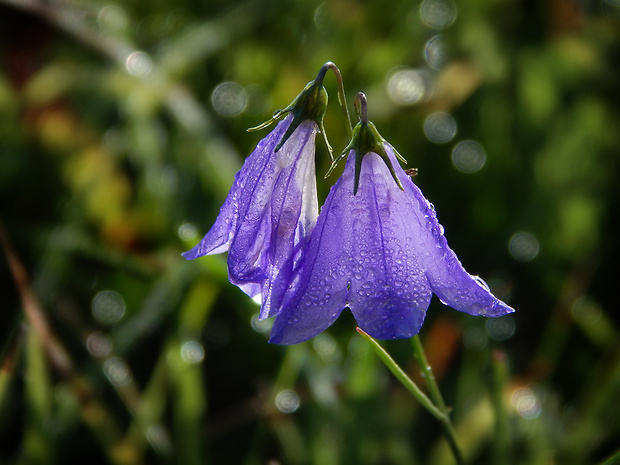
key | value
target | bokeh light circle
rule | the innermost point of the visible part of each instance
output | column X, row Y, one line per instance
column 440, row 127
column 108, row 307
column 287, row 401
column 468, row 156
column 523, row 246
column 435, row 52
column 138, row 64
column 409, row 86
column 117, row 371
column 192, row 352
column 228, row 99
column 501, row 328
column 438, row 14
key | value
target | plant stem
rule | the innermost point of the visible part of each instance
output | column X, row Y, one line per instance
column 612, row 459
column 342, row 99
column 439, row 413
column 402, row 377
column 433, row 389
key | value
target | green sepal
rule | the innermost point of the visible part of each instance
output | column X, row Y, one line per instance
column 310, row 104
column 367, row 139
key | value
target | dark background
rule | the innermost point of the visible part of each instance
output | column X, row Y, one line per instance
column 121, row 127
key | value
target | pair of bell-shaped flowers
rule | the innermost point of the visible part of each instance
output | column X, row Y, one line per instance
column 376, row 247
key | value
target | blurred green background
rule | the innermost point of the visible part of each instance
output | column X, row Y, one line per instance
column 121, row 127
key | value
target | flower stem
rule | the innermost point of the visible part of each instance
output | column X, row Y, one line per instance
column 342, row 99
column 433, row 389
column 612, row 459
column 440, row 413
column 431, row 382
column 402, row 377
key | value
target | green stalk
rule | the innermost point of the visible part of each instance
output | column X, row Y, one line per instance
column 433, row 389
column 612, row 459
column 431, row 382
column 439, row 413
column 341, row 97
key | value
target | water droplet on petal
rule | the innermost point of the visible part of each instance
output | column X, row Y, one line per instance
column 260, row 326
column 482, row 283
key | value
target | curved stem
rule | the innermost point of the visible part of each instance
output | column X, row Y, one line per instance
column 431, row 382
column 439, row 411
column 433, row 389
column 361, row 107
column 402, row 377
column 341, row 96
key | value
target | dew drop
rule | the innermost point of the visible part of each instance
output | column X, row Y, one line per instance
column 482, row 283
column 260, row 326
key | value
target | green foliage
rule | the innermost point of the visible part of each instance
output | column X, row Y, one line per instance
column 121, row 128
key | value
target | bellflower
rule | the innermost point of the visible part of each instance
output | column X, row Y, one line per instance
column 272, row 206
column 378, row 249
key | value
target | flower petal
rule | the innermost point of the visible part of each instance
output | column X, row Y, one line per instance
column 448, row 278
column 268, row 215
column 235, row 207
column 293, row 211
column 382, row 253
column 355, row 259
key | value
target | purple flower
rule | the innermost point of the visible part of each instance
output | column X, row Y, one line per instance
column 378, row 249
column 272, row 206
